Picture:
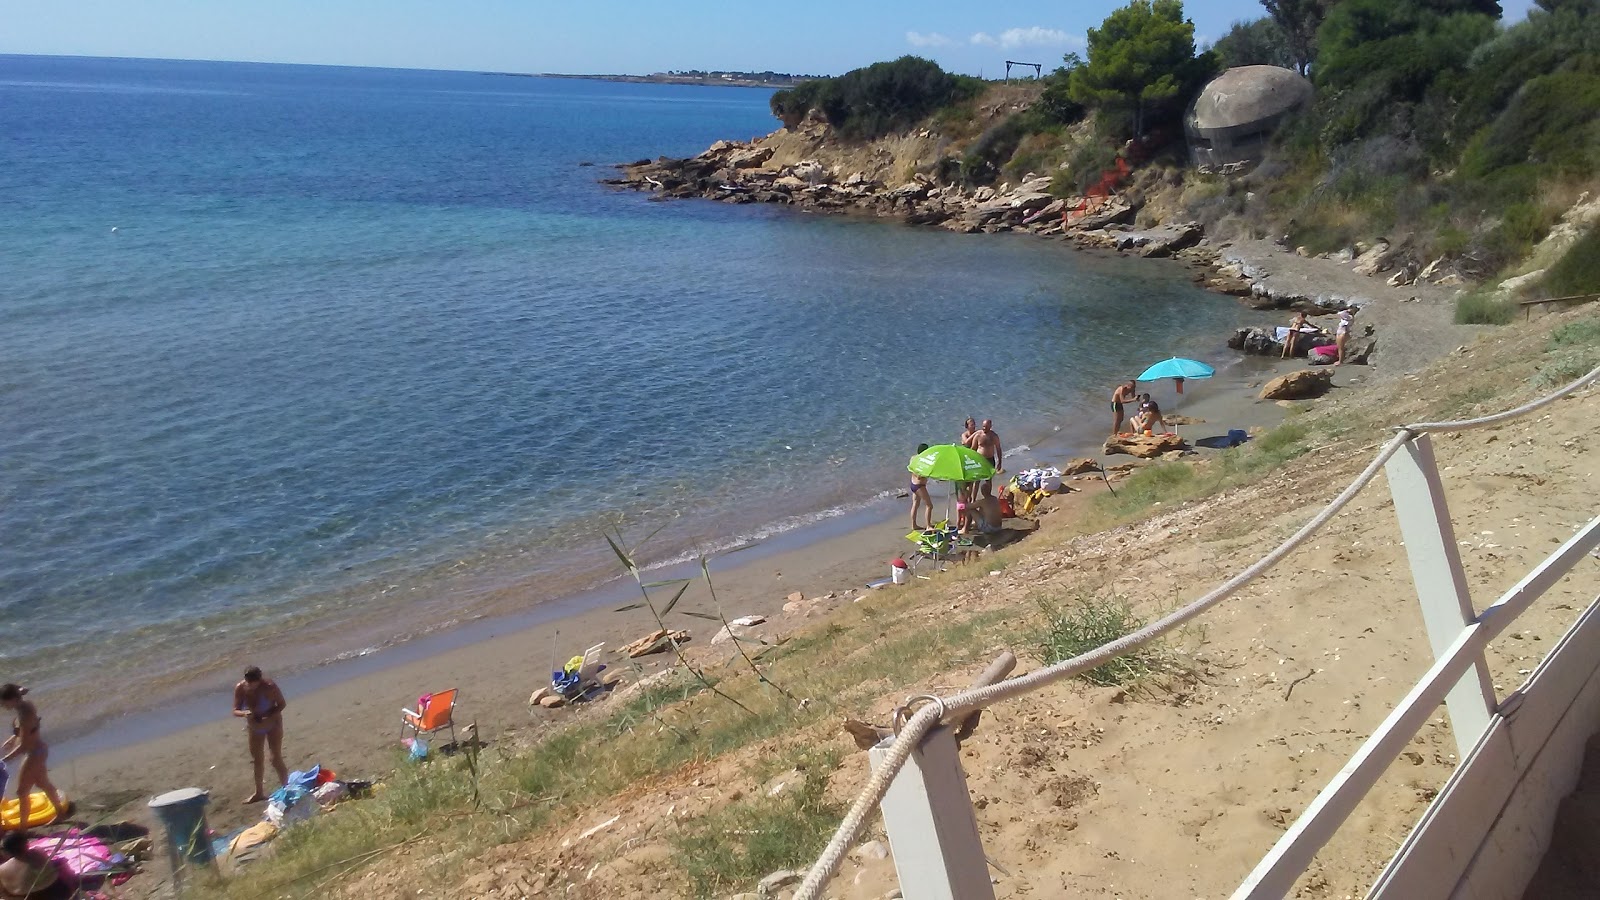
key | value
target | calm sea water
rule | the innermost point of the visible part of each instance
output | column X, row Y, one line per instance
column 284, row 346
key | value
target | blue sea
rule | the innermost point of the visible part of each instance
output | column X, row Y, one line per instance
column 284, row 349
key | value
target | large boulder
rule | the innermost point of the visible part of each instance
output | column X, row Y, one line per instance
column 1080, row 466
column 750, row 158
column 1298, row 385
column 1144, row 446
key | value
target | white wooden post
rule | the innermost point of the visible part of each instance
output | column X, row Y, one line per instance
column 1441, row 584
column 933, row 831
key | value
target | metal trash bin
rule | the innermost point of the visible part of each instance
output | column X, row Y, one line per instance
column 183, row 815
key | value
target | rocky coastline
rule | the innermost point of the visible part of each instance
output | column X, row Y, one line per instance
column 757, row 172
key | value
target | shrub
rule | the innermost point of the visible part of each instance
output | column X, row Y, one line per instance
column 1484, row 308
column 872, row 101
column 1580, row 334
column 1085, row 623
column 1577, row 272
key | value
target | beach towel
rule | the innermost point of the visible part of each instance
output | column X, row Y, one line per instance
column 81, row 855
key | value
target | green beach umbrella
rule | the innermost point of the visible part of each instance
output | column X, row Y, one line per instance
column 950, row 462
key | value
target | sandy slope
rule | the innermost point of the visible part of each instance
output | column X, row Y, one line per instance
column 1176, row 791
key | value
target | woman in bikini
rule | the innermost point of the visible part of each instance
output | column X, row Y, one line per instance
column 919, row 495
column 1297, row 327
column 258, row 701
column 28, row 742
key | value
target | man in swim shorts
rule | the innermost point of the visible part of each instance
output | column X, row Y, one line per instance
column 258, row 701
column 1125, row 393
column 987, row 443
column 27, row 741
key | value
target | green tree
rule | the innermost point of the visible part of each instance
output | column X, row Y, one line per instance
column 877, row 99
column 1256, row 43
column 1299, row 21
column 1142, row 65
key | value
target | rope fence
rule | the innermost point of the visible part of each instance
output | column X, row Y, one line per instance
column 956, row 706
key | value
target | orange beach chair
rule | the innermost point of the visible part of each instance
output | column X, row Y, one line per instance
column 437, row 715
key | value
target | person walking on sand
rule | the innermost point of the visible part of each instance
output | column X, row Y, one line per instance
column 919, row 495
column 1126, row 392
column 987, row 443
column 27, row 741
column 1347, row 318
column 258, row 701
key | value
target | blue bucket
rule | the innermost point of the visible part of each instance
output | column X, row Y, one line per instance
column 183, row 814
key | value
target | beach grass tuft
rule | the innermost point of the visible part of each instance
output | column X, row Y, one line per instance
column 1077, row 625
column 1484, row 308
column 740, row 843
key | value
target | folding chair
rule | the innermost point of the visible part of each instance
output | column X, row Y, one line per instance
column 437, row 715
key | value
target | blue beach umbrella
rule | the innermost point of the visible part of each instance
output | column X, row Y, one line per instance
column 1177, row 367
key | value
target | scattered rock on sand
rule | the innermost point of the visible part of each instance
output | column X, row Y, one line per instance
column 1080, row 466
column 1297, row 385
column 1144, row 446
column 655, row 642
column 779, row 879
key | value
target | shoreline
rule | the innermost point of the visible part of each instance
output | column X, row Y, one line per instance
column 343, row 711
column 344, row 714
column 476, row 604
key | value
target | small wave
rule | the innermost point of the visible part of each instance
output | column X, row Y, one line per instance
column 782, row 526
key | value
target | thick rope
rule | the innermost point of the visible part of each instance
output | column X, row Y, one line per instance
column 917, row 727
column 1524, row 409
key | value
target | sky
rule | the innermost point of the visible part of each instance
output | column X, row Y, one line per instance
column 820, row 37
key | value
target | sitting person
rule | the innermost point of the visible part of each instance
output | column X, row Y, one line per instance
column 1149, row 416
column 28, row 874
column 985, row 511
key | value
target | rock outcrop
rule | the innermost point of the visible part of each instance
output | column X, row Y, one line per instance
column 735, row 172
column 1144, row 446
column 1298, row 385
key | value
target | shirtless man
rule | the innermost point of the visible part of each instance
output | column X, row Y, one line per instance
column 1127, row 392
column 27, row 741
column 987, row 443
column 258, row 701
column 28, row 874
column 986, row 510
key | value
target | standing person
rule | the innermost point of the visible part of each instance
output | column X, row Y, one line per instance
column 1297, row 326
column 1126, row 392
column 919, row 495
column 987, row 443
column 969, row 430
column 27, row 741
column 258, row 701
column 1347, row 318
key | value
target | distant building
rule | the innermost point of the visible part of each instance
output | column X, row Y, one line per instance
column 1231, row 122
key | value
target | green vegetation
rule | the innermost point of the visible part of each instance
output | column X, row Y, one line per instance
column 1432, row 120
column 739, row 844
column 1260, row 42
column 1483, row 307
column 872, row 101
column 1142, row 68
column 1084, row 623
column 1573, row 352
column 1578, row 272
